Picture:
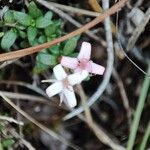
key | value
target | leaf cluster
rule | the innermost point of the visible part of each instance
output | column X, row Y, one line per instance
column 31, row 28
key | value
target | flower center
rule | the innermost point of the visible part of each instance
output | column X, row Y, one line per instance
column 66, row 83
column 83, row 64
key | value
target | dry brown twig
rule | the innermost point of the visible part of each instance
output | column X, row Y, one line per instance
column 123, row 95
column 31, row 50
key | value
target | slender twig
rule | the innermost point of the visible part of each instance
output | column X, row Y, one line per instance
column 22, row 96
column 107, row 74
column 31, row 50
column 123, row 95
column 10, row 119
column 75, row 10
column 6, row 63
column 71, row 20
column 138, row 112
column 41, row 126
column 27, row 85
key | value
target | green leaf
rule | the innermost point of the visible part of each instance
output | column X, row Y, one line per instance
column 45, row 21
column 70, row 45
column 2, row 23
column 8, row 17
column 39, row 67
column 55, row 50
column 8, row 142
column 8, row 39
column 22, row 18
column 34, row 43
column 74, row 54
column 1, row 34
column 42, row 39
column 34, row 12
column 22, row 34
column 51, row 29
column 2, row 127
column 31, row 33
column 46, row 59
column 48, row 15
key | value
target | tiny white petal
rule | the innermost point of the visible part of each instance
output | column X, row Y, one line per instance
column 77, row 78
column 54, row 89
column 70, row 97
column 59, row 72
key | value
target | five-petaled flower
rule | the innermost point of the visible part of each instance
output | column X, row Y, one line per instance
column 63, row 85
column 83, row 62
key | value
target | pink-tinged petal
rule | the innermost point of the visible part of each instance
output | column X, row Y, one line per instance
column 95, row 68
column 54, row 89
column 78, row 70
column 77, row 78
column 70, row 97
column 69, row 62
column 59, row 72
column 85, row 51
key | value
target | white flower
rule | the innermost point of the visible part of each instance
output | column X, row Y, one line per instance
column 63, row 85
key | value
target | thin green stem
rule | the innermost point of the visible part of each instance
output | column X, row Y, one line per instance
column 1, row 147
column 145, row 138
column 138, row 112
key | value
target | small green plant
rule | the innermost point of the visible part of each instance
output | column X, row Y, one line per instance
column 31, row 28
column 5, row 142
